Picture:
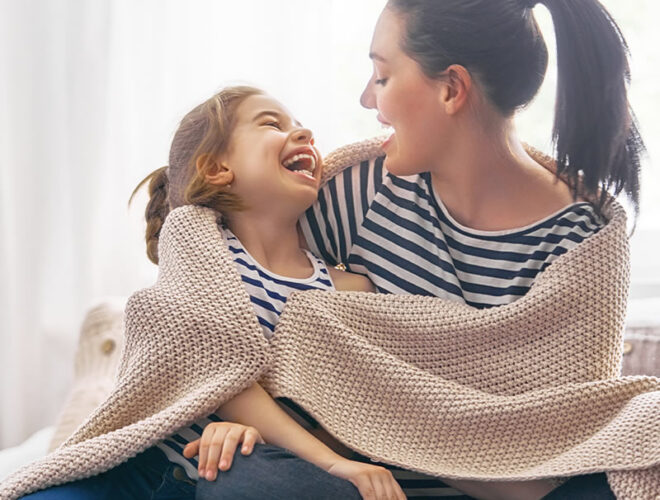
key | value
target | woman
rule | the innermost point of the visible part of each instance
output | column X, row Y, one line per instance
column 480, row 217
column 458, row 208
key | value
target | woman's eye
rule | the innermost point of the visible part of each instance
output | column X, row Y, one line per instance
column 273, row 124
column 380, row 81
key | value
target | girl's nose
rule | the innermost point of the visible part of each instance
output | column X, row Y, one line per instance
column 303, row 135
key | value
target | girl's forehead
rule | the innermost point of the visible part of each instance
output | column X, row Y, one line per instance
column 258, row 105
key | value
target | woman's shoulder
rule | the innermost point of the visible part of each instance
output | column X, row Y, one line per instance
column 537, row 196
column 350, row 155
column 542, row 191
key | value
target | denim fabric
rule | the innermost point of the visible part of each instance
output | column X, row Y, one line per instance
column 277, row 474
column 589, row 487
column 148, row 476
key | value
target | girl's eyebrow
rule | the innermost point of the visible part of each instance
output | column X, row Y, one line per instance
column 277, row 115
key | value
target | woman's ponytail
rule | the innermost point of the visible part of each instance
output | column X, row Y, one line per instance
column 597, row 141
column 157, row 208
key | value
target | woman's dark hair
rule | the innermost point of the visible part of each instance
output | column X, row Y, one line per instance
column 595, row 134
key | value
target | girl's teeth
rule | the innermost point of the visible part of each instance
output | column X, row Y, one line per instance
column 296, row 158
column 306, row 173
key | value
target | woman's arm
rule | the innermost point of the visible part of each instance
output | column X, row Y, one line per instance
column 350, row 282
column 503, row 490
column 329, row 226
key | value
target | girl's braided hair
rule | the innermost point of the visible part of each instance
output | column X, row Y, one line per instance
column 204, row 133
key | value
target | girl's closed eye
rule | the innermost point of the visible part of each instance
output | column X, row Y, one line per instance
column 274, row 124
column 380, row 81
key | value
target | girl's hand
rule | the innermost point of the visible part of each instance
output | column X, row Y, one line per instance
column 218, row 444
column 373, row 481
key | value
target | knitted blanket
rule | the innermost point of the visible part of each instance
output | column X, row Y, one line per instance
column 522, row 391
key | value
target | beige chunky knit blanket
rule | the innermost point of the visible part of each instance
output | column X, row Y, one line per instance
column 522, row 391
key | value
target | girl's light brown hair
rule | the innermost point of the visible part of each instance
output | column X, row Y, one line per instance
column 203, row 133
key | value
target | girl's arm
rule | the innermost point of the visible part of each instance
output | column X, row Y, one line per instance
column 256, row 408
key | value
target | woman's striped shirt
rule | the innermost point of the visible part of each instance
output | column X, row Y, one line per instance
column 268, row 293
column 396, row 231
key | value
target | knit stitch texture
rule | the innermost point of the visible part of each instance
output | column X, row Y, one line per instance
column 523, row 391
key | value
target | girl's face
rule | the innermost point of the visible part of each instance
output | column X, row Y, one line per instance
column 277, row 169
column 406, row 99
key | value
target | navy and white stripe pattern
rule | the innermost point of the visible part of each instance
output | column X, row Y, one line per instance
column 396, row 231
column 268, row 293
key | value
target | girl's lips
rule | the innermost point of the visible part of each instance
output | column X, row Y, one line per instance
column 299, row 173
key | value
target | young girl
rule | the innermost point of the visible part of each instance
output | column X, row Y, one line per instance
column 243, row 154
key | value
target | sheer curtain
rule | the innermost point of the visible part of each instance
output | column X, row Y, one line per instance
column 91, row 93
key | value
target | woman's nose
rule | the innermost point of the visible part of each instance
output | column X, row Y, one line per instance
column 368, row 98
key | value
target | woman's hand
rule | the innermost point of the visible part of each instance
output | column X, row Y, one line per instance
column 373, row 481
column 218, row 444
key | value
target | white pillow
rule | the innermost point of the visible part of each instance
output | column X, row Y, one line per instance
column 34, row 447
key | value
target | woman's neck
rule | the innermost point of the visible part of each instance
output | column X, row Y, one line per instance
column 273, row 243
column 489, row 182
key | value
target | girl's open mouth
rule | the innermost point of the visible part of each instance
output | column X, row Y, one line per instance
column 302, row 164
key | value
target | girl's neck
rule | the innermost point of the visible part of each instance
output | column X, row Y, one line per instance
column 274, row 244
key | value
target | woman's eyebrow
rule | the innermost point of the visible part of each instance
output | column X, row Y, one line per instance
column 277, row 115
column 373, row 55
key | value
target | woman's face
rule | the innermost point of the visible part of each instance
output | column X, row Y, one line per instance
column 405, row 98
column 275, row 165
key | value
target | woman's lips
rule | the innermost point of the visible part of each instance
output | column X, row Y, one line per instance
column 383, row 121
column 387, row 141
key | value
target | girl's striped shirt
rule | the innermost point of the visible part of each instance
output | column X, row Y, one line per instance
column 268, row 293
column 396, row 231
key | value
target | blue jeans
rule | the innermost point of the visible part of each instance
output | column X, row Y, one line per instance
column 276, row 474
column 148, row 476
column 589, row 487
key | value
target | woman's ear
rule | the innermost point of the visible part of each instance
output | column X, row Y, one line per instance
column 213, row 171
column 456, row 86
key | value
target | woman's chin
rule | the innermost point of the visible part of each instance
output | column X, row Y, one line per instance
column 393, row 163
column 403, row 163
column 388, row 163
column 390, row 149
